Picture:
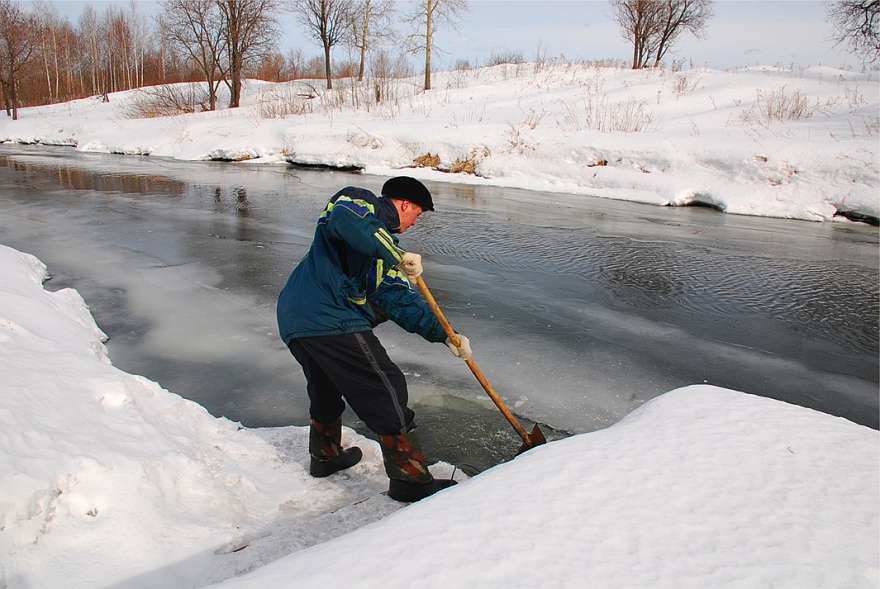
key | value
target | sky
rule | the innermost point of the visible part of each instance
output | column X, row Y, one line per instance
column 107, row 479
column 742, row 33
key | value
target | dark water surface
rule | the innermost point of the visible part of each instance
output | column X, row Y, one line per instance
column 579, row 309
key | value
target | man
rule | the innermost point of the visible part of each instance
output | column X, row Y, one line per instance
column 354, row 277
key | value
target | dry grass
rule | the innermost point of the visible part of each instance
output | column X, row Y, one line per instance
column 168, row 100
column 683, row 84
column 780, row 106
column 427, row 161
column 466, row 165
column 287, row 99
column 470, row 163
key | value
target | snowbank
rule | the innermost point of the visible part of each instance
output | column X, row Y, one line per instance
column 701, row 487
column 106, row 479
column 796, row 144
column 105, row 475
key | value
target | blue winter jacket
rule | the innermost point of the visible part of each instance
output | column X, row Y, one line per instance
column 348, row 282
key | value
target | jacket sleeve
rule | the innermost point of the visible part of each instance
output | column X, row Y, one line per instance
column 400, row 303
column 352, row 221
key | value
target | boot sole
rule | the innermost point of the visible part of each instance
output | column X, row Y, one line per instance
column 324, row 468
column 411, row 492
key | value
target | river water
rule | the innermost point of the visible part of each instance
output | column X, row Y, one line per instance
column 578, row 309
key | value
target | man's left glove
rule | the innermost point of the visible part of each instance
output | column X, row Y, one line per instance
column 411, row 265
column 463, row 350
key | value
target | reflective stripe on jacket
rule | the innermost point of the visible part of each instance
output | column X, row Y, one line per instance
column 348, row 282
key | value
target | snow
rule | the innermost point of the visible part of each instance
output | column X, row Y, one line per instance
column 800, row 143
column 108, row 480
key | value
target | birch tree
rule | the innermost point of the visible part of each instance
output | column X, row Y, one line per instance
column 49, row 25
column 371, row 23
column 140, row 34
column 427, row 16
column 94, row 34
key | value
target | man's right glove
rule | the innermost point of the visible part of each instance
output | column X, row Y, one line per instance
column 411, row 265
column 463, row 350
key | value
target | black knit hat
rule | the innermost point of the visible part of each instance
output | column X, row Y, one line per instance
column 406, row 188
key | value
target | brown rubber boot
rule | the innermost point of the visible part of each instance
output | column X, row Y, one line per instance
column 325, row 449
column 406, row 467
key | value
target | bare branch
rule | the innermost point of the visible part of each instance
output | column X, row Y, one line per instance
column 18, row 41
column 855, row 25
column 251, row 32
column 328, row 22
column 426, row 16
column 195, row 28
column 653, row 26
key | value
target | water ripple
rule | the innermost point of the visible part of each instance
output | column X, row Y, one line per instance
column 836, row 301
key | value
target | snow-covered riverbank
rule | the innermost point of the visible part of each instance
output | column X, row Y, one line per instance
column 107, row 480
column 799, row 144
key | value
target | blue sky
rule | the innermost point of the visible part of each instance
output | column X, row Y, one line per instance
column 742, row 32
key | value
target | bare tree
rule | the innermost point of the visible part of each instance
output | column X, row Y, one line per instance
column 690, row 16
column 105, row 37
column 856, row 25
column 140, row 34
column 18, row 41
column 71, row 61
column 89, row 31
column 371, row 23
column 118, row 44
column 48, row 22
column 328, row 22
column 637, row 20
column 195, row 28
column 251, row 34
column 653, row 26
column 427, row 15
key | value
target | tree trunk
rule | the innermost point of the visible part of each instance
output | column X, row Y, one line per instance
column 13, row 98
column 365, row 31
column 212, row 93
column 235, row 89
column 46, row 62
column 55, row 58
column 234, row 76
column 429, row 36
column 327, row 69
column 93, row 50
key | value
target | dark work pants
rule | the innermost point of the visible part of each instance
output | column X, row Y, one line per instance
column 354, row 367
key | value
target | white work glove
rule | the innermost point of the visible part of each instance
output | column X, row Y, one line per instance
column 463, row 350
column 411, row 265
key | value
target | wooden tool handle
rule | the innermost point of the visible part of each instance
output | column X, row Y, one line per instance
column 453, row 337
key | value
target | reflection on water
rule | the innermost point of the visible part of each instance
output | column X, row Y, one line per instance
column 579, row 309
column 826, row 300
column 75, row 178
